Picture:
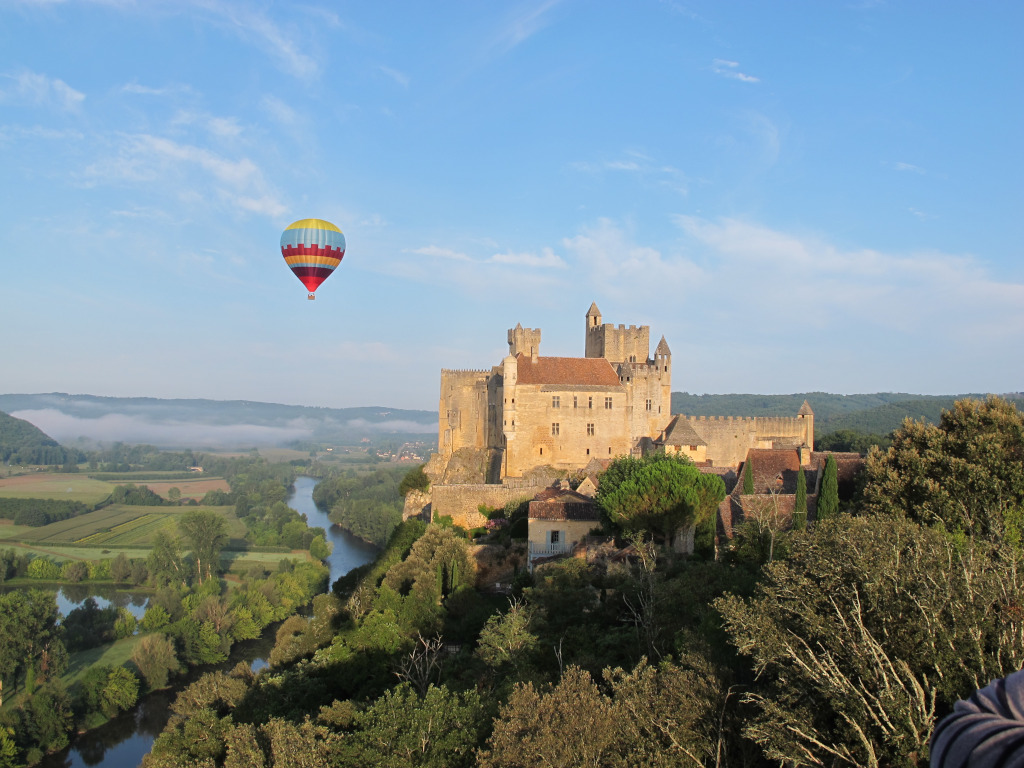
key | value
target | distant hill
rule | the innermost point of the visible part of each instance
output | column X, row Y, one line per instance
column 21, row 442
column 878, row 413
column 200, row 423
column 77, row 420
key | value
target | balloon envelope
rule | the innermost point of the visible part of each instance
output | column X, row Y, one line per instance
column 312, row 248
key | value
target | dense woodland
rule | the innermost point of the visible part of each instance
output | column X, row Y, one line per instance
column 842, row 644
column 838, row 641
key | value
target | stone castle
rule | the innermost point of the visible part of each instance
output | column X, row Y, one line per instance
column 506, row 429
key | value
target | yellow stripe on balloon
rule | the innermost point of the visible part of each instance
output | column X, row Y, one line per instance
column 312, row 224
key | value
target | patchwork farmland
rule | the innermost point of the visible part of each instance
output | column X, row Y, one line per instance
column 120, row 525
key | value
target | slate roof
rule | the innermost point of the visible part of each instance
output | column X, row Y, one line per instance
column 679, row 432
column 558, row 504
column 773, row 469
column 567, row 371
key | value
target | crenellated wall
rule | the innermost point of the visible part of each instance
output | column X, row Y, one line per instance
column 729, row 438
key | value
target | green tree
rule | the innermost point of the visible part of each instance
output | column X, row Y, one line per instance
column 828, row 497
column 164, row 561
column 870, row 630
column 174, row 494
column 320, row 548
column 800, row 504
column 206, row 532
column 120, row 568
column 404, row 730
column 120, row 693
column 966, row 473
column 156, row 660
column 415, row 479
column 660, row 494
column 748, row 478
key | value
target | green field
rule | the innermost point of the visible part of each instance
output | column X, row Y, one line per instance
column 46, row 485
column 118, row 525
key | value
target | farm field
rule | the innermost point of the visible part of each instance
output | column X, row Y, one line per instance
column 48, row 485
column 118, row 525
column 190, row 489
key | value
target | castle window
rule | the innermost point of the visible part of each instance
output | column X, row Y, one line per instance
column 648, row 405
column 590, row 430
column 556, row 401
column 554, row 429
column 607, row 402
column 555, row 536
column 590, row 402
column 574, row 399
column 588, row 451
column 541, row 451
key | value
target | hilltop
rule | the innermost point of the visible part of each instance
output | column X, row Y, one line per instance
column 877, row 413
column 198, row 423
column 24, row 443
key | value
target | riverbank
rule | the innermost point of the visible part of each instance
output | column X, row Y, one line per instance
column 125, row 739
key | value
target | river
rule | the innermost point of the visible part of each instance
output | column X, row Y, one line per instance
column 124, row 741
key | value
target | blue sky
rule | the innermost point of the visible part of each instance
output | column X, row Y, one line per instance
column 797, row 195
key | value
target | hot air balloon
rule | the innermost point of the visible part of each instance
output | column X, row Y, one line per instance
column 312, row 248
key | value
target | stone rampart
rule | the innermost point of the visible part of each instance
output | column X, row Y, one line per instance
column 462, row 502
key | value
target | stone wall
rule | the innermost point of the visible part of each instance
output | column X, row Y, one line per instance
column 532, row 441
column 462, row 501
column 729, row 438
column 462, row 411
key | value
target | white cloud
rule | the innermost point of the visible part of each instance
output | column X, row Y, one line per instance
column 547, row 258
column 280, row 110
column 624, row 269
column 640, row 164
column 37, row 90
column 146, row 158
column 730, row 69
column 907, row 167
column 776, row 278
column 524, row 25
column 399, row 77
column 443, row 253
column 290, row 47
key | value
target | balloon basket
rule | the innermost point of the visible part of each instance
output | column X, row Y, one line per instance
column 311, row 297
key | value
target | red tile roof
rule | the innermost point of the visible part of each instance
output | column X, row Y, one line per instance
column 580, row 371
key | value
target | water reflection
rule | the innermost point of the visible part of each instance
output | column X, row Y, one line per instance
column 71, row 596
column 124, row 741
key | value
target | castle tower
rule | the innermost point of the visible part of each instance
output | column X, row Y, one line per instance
column 594, row 338
column 525, row 340
column 806, row 415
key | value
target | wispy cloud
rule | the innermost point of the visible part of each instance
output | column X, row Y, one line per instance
column 909, row 168
column 899, row 292
column 623, row 268
column 285, row 44
column 146, row 158
column 639, row 163
column 38, row 90
column 439, row 252
column 399, row 77
column 730, row 69
column 524, row 24
column 547, row 258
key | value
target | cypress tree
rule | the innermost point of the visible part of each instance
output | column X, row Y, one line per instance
column 828, row 499
column 800, row 505
column 748, row 478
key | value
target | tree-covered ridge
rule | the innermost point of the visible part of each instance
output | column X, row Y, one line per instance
column 367, row 505
column 23, row 443
column 877, row 413
column 843, row 647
